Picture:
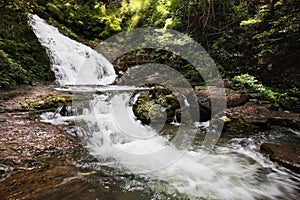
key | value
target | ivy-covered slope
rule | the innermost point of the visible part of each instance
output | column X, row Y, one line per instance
column 22, row 58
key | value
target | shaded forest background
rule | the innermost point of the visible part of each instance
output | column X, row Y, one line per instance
column 255, row 43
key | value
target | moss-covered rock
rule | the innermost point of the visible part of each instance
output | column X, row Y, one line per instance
column 157, row 105
column 46, row 102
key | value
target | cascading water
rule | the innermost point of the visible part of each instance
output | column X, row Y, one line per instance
column 111, row 133
column 69, row 58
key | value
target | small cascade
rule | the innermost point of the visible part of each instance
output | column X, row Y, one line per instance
column 175, row 121
column 186, row 103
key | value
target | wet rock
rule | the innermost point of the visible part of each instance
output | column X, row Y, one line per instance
column 65, row 181
column 66, row 110
column 287, row 156
column 205, row 95
column 26, row 97
column 27, row 143
column 258, row 116
column 156, row 106
column 55, row 181
column 287, row 119
column 246, row 119
column 164, row 97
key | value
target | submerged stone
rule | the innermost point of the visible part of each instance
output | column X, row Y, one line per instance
column 285, row 155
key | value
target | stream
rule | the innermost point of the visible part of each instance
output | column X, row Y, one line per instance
column 144, row 160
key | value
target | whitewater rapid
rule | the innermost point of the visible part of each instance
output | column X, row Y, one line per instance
column 235, row 171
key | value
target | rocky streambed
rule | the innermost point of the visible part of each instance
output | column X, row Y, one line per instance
column 40, row 161
column 29, row 146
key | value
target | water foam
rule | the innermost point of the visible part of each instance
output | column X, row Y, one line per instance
column 230, row 172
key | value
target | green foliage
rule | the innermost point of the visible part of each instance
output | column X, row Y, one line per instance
column 242, row 36
column 156, row 13
column 21, row 56
column 286, row 99
column 250, row 22
column 259, row 37
column 274, row 31
column 226, row 51
column 85, row 21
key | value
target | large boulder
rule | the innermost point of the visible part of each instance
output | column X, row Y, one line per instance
column 206, row 94
column 157, row 105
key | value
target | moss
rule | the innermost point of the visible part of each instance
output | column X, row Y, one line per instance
column 46, row 102
column 22, row 58
column 159, row 104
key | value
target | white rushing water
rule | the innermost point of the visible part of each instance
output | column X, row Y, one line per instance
column 72, row 62
column 110, row 132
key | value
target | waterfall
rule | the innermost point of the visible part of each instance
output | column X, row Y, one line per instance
column 72, row 62
column 110, row 132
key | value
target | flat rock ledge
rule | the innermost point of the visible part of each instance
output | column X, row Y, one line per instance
column 286, row 156
column 27, row 144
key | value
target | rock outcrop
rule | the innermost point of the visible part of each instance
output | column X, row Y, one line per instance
column 205, row 95
column 244, row 114
column 163, row 98
column 253, row 117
